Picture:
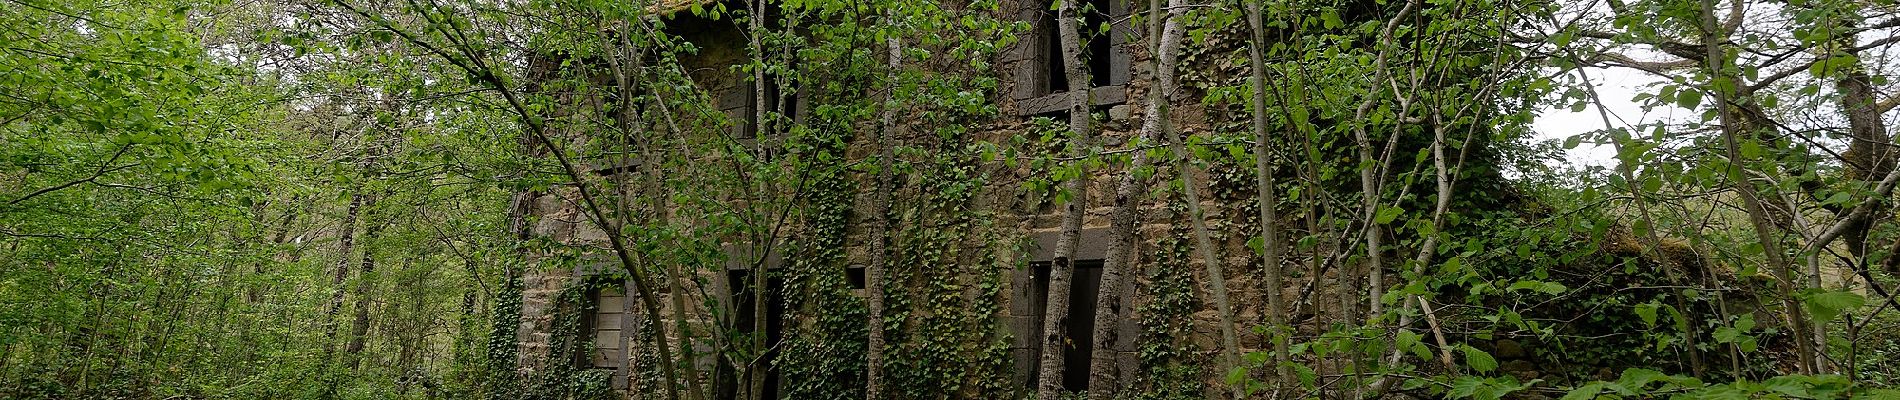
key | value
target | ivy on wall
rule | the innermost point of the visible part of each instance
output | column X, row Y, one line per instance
column 1172, row 366
column 502, row 382
column 946, row 260
column 568, row 372
column 821, row 353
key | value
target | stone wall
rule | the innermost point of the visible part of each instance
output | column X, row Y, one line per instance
column 1022, row 96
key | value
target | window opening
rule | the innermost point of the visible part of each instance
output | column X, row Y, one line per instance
column 1084, row 290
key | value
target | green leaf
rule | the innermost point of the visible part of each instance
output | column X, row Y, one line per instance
column 1750, row 149
column 1838, row 198
column 1409, row 341
column 1552, row 288
column 1788, row 385
column 1827, row 305
column 1479, row 360
column 1308, row 377
column 1588, row 391
column 1635, row 379
column 1464, row 387
column 1689, row 99
column 1387, row 214
column 1878, row 394
column 1726, row 335
column 1647, row 311
column 1237, row 376
column 1330, row 19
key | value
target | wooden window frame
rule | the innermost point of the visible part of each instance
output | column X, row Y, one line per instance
column 617, row 357
column 1033, row 78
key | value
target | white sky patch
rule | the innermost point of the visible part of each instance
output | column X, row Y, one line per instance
column 1617, row 87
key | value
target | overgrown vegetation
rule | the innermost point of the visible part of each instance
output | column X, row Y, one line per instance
column 888, row 199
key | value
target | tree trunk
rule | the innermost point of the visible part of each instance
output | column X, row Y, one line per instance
column 252, row 294
column 1210, row 256
column 409, row 339
column 880, row 226
column 346, row 237
column 1716, row 61
column 1055, row 329
column 1369, row 194
column 1123, row 219
column 1278, row 331
column 1368, row 175
column 364, row 281
column 754, row 369
column 1870, row 152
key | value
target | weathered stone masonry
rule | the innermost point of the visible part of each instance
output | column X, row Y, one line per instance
column 1027, row 91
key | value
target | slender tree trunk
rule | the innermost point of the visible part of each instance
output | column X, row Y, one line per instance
column 409, row 339
column 1369, row 191
column 1210, row 256
column 1442, row 182
column 1123, row 232
column 754, row 368
column 346, row 236
column 1652, row 241
column 1716, row 61
column 1055, row 329
column 252, row 294
column 1123, row 237
column 1368, row 165
column 364, row 281
column 1278, row 331
column 653, row 186
column 880, row 225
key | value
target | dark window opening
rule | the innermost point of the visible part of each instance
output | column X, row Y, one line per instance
column 764, row 138
column 1042, row 78
column 855, row 275
column 1097, row 55
column 1084, row 290
column 590, row 323
column 732, row 378
column 771, row 106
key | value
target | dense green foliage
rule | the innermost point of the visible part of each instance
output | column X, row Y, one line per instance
column 353, row 199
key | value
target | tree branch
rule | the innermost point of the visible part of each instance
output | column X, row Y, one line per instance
column 96, row 174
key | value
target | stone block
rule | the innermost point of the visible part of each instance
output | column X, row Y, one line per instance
column 1023, row 331
column 609, row 358
column 1121, row 112
column 1024, row 366
column 607, row 338
column 607, row 320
